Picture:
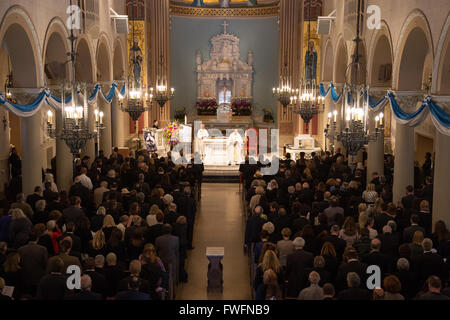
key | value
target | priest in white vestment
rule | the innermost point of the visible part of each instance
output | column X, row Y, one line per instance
column 201, row 135
column 234, row 148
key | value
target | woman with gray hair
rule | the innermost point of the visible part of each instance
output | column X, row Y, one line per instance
column 408, row 279
column 314, row 291
column 40, row 214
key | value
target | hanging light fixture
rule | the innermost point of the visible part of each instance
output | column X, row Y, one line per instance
column 308, row 102
column 284, row 93
column 139, row 101
column 74, row 116
column 355, row 132
column 162, row 93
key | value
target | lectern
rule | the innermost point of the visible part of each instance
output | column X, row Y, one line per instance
column 215, row 267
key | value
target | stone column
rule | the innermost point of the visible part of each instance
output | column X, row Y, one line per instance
column 441, row 198
column 64, row 160
column 4, row 148
column 404, row 160
column 159, row 46
column 375, row 152
column 89, row 148
column 117, row 125
column 105, row 135
column 289, row 51
column 31, row 152
column 404, row 147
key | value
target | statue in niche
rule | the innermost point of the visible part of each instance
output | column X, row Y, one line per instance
column 136, row 60
column 311, row 62
column 250, row 58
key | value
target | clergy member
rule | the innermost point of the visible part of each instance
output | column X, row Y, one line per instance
column 234, row 148
column 201, row 135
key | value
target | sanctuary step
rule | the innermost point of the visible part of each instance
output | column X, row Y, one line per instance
column 221, row 174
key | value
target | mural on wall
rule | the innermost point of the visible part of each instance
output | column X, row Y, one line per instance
column 137, row 62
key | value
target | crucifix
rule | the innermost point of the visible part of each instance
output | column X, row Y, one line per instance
column 225, row 25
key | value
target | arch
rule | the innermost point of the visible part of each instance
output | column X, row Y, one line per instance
column 84, row 62
column 340, row 62
column 441, row 73
column 380, row 57
column 327, row 72
column 411, row 62
column 119, row 66
column 20, row 41
column 56, row 46
column 103, row 59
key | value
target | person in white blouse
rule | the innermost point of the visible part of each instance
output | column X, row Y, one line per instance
column 234, row 147
column 85, row 180
column 201, row 135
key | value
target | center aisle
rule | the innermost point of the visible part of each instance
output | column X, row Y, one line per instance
column 219, row 223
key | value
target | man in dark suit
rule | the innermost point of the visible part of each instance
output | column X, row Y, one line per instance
column 188, row 208
column 168, row 249
column 409, row 232
column 375, row 257
column 429, row 263
column 296, row 265
column 34, row 263
column 65, row 247
column 434, row 290
column 253, row 226
column 306, row 195
column 75, row 212
column 49, row 194
column 33, row 198
column 354, row 291
column 112, row 274
column 77, row 189
column 408, row 200
column 99, row 284
column 338, row 243
column 352, row 265
column 133, row 292
column 85, row 293
column 53, row 286
column 389, row 242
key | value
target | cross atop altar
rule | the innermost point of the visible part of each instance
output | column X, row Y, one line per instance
column 225, row 25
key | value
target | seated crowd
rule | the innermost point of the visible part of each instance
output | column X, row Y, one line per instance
column 314, row 228
column 126, row 222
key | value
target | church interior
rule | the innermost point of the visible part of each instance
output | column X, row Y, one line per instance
column 225, row 149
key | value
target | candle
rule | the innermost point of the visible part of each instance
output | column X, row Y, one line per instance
column 172, row 91
column 329, row 117
column 335, row 115
column 101, row 117
column 76, row 118
column 96, row 115
column 185, row 119
column 50, row 117
column 377, row 119
column 381, row 118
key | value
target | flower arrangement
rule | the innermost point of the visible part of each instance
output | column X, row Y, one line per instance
column 171, row 132
column 207, row 107
column 242, row 107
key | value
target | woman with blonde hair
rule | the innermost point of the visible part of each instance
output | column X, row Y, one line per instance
column 363, row 216
column 20, row 228
column 97, row 244
column 151, row 218
column 269, row 261
column 13, row 273
column 108, row 226
column 416, row 245
column 349, row 232
column 270, row 288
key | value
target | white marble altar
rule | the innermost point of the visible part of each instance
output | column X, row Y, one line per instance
column 217, row 151
column 224, row 77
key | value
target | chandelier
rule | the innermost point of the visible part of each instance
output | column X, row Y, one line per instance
column 75, row 130
column 138, row 101
column 284, row 93
column 308, row 102
column 354, row 129
column 162, row 94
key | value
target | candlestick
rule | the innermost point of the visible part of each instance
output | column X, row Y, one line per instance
column 50, row 117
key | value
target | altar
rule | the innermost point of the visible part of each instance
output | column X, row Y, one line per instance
column 217, row 152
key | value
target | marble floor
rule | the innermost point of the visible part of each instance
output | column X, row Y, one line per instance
column 219, row 223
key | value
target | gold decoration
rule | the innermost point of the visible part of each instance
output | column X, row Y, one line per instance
column 223, row 12
column 139, row 35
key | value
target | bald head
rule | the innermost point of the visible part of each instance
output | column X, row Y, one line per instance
column 86, row 283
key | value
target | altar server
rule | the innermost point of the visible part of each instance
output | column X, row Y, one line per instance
column 201, row 135
column 234, row 147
